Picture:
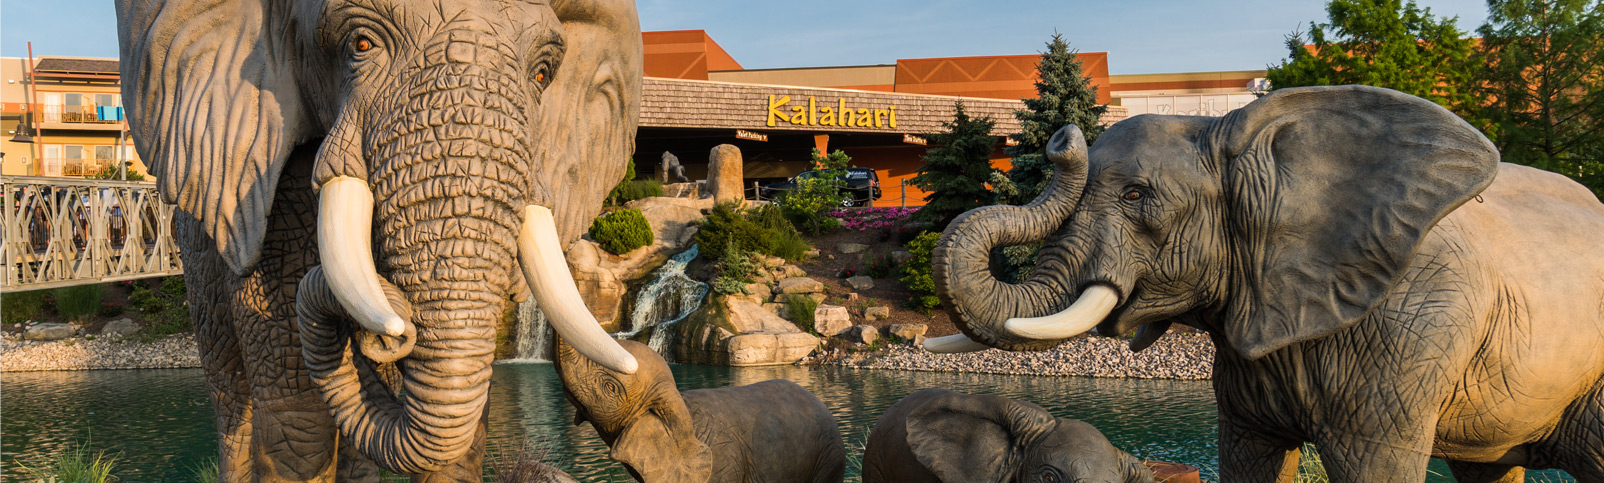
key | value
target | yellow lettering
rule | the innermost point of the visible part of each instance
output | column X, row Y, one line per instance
column 864, row 117
column 893, row 116
column 813, row 112
column 879, row 118
column 845, row 117
column 774, row 108
column 827, row 116
column 799, row 115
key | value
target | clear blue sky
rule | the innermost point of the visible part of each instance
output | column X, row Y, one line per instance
column 1141, row 36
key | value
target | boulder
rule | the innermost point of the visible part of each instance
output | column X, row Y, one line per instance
column 811, row 253
column 861, row 334
column 50, row 331
column 850, row 248
column 736, row 332
column 802, row 285
column 877, row 313
column 771, row 262
column 829, row 320
column 793, row 271
column 725, row 174
column 860, row 282
column 682, row 190
column 119, row 328
column 603, row 278
column 907, row 331
column 759, row 289
column 781, row 310
column 746, row 317
column 818, row 298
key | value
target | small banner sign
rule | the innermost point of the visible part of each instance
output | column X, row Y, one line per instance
column 912, row 139
column 751, row 136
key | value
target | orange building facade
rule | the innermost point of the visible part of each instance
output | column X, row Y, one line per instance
column 697, row 96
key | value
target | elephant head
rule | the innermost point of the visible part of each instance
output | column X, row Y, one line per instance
column 963, row 437
column 1284, row 221
column 641, row 416
column 451, row 143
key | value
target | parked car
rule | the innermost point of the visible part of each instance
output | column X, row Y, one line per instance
column 862, row 188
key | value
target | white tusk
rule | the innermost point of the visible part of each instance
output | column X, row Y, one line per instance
column 1089, row 310
column 953, row 344
column 546, row 272
column 345, row 239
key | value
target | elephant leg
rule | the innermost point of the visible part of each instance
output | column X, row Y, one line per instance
column 1249, row 456
column 209, row 288
column 1577, row 443
column 1486, row 473
column 470, row 467
column 1365, row 459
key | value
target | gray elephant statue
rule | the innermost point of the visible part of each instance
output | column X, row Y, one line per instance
column 943, row 436
column 365, row 186
column 670, row 171
column 771, row 432
column 1375, row 281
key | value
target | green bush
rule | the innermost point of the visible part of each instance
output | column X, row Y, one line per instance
column 801, row 309
column 916, row 272
column 763, row 230
column 78, row 464
column 21, row 306
column 809, row 204
column 162, row 304
column 630, row 189
column 621, row 231
column 734, row 269
column 78, row 302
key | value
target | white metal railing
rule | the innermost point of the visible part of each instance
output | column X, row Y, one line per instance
column 59, row 232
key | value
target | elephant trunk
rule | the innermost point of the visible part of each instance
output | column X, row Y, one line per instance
column 978, row 301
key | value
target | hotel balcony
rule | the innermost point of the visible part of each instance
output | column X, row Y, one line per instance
column 82, row 168
column 94, row 118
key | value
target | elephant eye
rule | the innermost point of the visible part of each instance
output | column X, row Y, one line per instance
column 541, row 74
column 1050, row 475
column 362, row 44
column 1133, row 194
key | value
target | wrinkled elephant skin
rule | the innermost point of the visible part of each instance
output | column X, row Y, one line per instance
column 772, row 431
column 1376, row 282
column 937, row 435
column 356, row 179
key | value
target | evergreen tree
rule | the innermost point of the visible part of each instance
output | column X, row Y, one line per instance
column 957, row 169
column 1064, row 95
column 1383, row 43
column 1541, row 88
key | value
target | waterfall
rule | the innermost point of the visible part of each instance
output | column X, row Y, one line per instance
column 668, row 296
column 533, row 334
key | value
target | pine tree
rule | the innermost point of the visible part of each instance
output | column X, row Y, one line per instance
column 1540, row 85
column 957, row 169
column 1064, row 95
column 1383, row 43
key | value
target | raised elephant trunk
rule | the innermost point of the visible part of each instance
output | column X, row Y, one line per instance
column 962, row 262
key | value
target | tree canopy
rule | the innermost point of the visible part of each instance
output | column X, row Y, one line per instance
column 1064, row 95
column 957, row 169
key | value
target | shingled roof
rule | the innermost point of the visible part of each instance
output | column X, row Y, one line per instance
column 61, row 65
column 707, row 104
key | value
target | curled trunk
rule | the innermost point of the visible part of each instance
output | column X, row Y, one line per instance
column 961, row 261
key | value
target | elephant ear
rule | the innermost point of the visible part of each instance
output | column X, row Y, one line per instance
column 975, row 438
column 655, row 452
column 214, row 109
column 1329, row 191
column 590, row 110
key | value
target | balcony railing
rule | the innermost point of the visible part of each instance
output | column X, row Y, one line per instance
column 81, row 114
column 73, row 167
column 56, row 232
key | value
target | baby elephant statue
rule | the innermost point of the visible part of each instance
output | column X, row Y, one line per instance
column 937, row 435
column 772, row 431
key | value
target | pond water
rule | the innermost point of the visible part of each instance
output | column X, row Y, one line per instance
column 159, row 421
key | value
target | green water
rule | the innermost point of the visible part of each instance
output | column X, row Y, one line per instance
column 159, row 421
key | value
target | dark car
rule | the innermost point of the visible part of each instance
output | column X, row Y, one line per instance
column 863, row 186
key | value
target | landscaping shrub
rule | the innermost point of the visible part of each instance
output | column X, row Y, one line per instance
column 808, row 205
column 162, row 304
column 621, row 231
column 78, row 302
column 21, row 306
column 865, row 219
column 763, row 230
column 801, row 309
column 916, row 273
column 630, row 189
column 734, row 269
column 78, row 464
column 880, row 265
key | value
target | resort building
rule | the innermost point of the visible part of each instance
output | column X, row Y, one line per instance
column 695, row 96
column 62, row 116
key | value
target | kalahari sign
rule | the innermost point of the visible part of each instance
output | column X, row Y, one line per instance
column 838, row 114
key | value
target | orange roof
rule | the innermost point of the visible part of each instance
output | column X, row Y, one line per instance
column 684, row 54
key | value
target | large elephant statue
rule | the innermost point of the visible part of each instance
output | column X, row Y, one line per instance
column 943, row 436
column 772, row 431
column 390, row 172
column 1375, row 281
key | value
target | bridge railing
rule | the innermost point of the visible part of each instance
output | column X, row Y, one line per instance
column 57, row 232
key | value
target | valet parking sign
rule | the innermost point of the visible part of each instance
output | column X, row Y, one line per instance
column 839, row 115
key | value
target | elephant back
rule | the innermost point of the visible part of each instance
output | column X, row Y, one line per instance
column 769, row 431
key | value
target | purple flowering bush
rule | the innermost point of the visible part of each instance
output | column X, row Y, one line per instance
column 865, row 219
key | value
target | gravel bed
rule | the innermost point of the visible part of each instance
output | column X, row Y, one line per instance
column 76, row 354
column 1175, row 356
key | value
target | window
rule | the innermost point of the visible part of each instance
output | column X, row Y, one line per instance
column 104, row 100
